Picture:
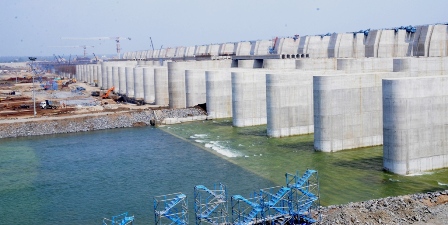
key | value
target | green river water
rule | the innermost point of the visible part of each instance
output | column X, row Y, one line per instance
column 345, row 176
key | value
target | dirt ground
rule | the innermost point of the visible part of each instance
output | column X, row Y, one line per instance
column 16, row 98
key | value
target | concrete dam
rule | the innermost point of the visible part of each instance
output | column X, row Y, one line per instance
column 375, row 87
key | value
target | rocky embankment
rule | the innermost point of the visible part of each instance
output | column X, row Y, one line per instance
column 428, row 208
column 89, row 122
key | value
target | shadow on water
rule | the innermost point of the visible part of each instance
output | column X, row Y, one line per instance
column 372, row 163
column 304, row 146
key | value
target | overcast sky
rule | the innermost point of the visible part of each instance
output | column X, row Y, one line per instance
column 31, row 27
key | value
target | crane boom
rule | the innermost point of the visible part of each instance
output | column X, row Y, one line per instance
column 117, row 40
column 75, row 46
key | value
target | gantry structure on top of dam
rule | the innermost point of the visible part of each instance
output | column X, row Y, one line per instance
column 373, row 87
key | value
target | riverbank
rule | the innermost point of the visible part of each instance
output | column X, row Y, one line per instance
column 96, row 121
column 426, row 208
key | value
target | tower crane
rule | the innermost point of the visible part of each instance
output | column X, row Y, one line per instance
column 117, row 40
column 76, row 46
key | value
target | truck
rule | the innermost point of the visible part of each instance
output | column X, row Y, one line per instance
column 47, row 104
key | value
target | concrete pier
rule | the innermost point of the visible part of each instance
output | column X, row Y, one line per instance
column 109, row 77
column 121, row 88
column 289, row 102
column 161, row 94
column 129, row 81
column 138, row 83
column 148, row 85
column 347, row 110
column 176, row 78
column 195, row 87
column 115, row 78
column 218, row 94
column 249, row 97
column 415, row 124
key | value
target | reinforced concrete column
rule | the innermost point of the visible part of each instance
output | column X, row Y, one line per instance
column 115, row 78
column 148, row 85
column 161, row 94
column 121, row 88
column 289, row 103
column 99, row 75
column 372, row 43
column 347, row 111
column 195, row 87
column 218, row 86
column 109, row 77
column 129, row 82
column 138, row 83
column 249, row 97
column 95, row 74
column 103, row 75
column 415, row 118
column 176, row 84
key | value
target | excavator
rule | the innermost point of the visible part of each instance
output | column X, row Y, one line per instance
column 106, row 95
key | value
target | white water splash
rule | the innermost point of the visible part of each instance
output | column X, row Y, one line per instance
column 222, row 150
column 198, row 136
column 441, row 184
column 419, row 174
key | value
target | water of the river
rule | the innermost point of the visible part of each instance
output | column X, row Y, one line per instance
column 81, row 178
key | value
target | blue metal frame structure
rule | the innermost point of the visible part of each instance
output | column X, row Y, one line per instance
column 171, row 209
column 122, row 219
column 210, row 206
column 247, row 210
column 304, row 195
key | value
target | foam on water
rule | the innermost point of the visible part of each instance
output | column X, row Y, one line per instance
column 441, row 184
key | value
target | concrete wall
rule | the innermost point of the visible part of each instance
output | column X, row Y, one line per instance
column 227, row 49
column 161, row 94
column 365, row 65
column 303, row 45
column 386, row 45
column 439, row 41
column 347, row 111
column 260, row 47
column 287, row 46
column 249, row 97
column 243, row 48
column 218, row 85
column 195, row 87
column 316, row 64
column 359, row 50
column 422, row 66
column 285, row 64
column 415, row 119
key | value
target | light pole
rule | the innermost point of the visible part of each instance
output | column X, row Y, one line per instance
column 34, row 72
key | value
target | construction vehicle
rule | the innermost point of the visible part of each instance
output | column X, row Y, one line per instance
column 107, row 94
column 47, row 104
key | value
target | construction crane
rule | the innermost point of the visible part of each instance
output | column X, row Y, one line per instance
column 117, row 40
column 76, row 46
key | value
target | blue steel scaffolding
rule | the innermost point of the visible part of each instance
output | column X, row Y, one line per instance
column 292, row 204
column 122, row 219
column 210, row 206
column 171, row 209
